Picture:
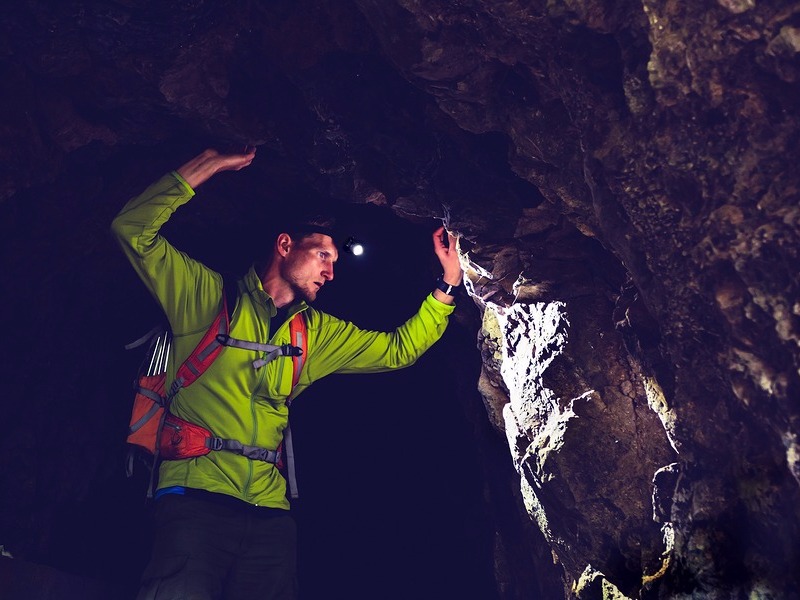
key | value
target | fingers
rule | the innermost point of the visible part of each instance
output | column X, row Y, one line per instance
column 237, row 159
column 204, row 166
column 234, row 149
column 241, row 151
column 447, row 255
column 438, row 241
column 248, row 156
column 243, row 161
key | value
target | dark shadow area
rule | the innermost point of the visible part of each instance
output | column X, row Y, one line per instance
column 391, row 502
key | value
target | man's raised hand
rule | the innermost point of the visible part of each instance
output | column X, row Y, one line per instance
column 210, row 162
column 448, row 257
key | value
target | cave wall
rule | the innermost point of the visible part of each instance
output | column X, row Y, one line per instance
column 623, row 180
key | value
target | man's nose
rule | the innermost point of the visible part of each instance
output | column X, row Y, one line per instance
column 327, row 273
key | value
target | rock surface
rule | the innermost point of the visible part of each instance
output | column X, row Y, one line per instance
column 623, row 180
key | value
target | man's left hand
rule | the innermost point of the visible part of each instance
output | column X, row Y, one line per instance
column 448, row 257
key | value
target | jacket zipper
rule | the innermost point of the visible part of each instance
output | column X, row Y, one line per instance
column 260, row 384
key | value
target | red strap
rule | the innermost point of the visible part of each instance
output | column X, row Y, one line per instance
column 206, row 350
column 298, row 337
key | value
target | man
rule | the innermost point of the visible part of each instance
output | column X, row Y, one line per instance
column 223, row 528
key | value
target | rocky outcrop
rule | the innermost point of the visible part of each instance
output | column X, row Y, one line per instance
column 622, row 178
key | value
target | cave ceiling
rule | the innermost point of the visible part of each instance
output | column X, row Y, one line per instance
column 623, row 181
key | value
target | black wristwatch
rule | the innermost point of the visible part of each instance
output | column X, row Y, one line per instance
column 445, row 287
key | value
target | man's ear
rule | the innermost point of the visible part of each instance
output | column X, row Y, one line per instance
column 283, row 244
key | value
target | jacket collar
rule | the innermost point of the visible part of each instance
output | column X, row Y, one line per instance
column 253, row 284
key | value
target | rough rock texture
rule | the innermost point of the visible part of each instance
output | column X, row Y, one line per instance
column 623, row 178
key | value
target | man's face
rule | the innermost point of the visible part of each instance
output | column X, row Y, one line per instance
column 309, row 265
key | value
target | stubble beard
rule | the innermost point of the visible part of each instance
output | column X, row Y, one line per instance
column 303, row 293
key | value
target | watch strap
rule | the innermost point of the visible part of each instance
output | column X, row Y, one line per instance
column 445, row 287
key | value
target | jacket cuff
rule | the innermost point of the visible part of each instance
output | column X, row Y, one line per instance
column 182, row 182
column 438, row 306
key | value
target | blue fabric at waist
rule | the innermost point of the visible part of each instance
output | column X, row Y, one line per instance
column 223, row 499
column 175, row 489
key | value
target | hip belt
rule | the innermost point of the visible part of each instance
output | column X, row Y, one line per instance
column 181, row 439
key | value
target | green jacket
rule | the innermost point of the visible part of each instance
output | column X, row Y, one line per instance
column 232, row 399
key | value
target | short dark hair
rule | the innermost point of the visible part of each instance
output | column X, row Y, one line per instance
column 297, row 229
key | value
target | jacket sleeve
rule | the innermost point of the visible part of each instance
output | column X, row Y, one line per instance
column 188, row 291
column 341, row 347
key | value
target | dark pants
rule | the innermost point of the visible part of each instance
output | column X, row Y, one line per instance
column 210, row 550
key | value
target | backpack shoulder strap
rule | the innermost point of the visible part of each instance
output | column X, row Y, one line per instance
column 209, row 347
column 298, row 336
column 298, row 332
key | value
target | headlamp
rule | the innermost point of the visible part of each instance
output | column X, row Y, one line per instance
column 353, row 246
